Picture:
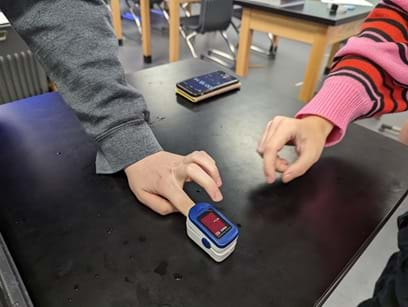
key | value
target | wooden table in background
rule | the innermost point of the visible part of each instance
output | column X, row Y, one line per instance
column 145, row 20
column 310, row 24
column 174, row 38
column 174, row 12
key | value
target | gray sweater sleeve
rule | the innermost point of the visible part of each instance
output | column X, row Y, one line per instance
column 74, row 41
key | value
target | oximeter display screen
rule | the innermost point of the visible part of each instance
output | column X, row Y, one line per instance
column 215, row 224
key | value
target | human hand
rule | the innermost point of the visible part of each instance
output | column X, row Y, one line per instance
column 308, row 135
column 158, row 180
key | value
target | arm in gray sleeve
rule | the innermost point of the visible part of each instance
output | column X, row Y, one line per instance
column 74, row 41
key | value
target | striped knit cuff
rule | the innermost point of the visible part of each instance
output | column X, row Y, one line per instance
column 341, row 100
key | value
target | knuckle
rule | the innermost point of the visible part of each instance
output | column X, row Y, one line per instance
column 206, row 155
column 203, row 155
column 165, row 210
column 212, row 168
column 270, row 148
column 191, row 168
column 278, row 118
column 140, row 197
column 195, row 154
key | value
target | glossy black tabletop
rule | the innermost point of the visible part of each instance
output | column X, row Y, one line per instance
column 311, row 10
column 80, row 239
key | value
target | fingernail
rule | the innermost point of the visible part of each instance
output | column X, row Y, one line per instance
column 219, row 182
column 218, row 196
column 270, row 179
column 287, row 177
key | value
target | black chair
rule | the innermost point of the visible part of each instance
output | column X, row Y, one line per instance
column 215, row 16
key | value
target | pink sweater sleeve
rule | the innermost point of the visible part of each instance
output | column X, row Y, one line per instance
column 370, row 73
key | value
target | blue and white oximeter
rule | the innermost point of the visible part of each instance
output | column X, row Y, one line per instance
column 212, row 231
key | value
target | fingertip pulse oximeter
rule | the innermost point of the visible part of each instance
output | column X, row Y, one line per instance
column 212, row 231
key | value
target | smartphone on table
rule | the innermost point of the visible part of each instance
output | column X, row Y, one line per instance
column 206, row 86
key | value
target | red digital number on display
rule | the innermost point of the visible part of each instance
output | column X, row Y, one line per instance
column 214, row 223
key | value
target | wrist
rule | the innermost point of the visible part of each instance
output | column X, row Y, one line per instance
column 130, row 167
column 323, row 125
column 120, row 147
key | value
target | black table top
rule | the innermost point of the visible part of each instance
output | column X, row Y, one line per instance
column 80, row 239
column 311, row 10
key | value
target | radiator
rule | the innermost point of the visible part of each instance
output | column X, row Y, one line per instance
column 21, row 76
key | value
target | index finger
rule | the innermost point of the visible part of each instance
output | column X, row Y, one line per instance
column 205, row 161
column 275, row 143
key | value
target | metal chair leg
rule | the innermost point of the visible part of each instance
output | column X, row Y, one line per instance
column 222, row 54
column 182, row 32
column 135, row 18
column 231, row 47
column 137, row 21
column 260, row 50
column 190, row 45
column 229, row 57
column 164, row 12
column 385, row 127
column 235, row 27
column 401, row 132
column 185, row 10
column 217, row 60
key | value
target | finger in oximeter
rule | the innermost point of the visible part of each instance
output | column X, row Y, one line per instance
column 212, row 231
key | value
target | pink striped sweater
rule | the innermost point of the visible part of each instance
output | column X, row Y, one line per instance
column 369, row 75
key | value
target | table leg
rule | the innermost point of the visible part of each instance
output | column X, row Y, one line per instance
column 174, row 45
column 313, row 67
column 116, row 20
column 275, row 40
column 403, row 136
column 274, row 48
column 335, row 47
column 245, row 41
column 146, row 39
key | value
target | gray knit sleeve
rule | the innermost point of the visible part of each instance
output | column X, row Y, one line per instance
column 75, row 43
